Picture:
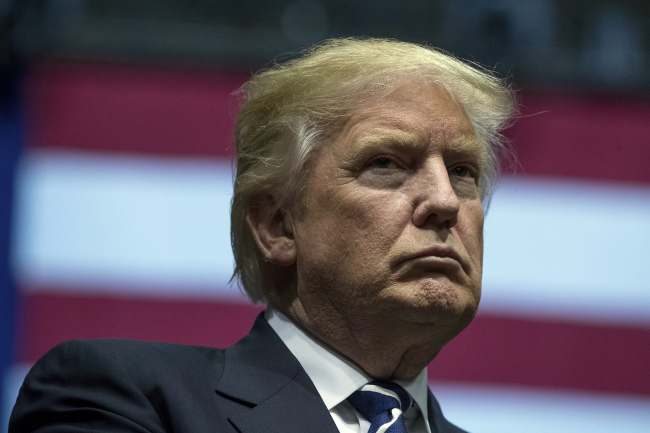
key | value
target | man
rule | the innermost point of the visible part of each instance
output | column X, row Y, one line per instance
column 363, row 170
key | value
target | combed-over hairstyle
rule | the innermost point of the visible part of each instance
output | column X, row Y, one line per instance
column 292, row 108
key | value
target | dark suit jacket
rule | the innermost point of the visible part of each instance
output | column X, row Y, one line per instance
column 257, row 385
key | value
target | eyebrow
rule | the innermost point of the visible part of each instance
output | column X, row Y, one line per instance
column 390, row 137
column 467, row 143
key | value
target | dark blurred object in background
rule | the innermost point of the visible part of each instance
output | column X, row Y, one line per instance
column 8, row 55
column 590, row 44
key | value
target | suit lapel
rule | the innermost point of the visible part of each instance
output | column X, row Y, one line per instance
column 292, row 409
column 261, row 373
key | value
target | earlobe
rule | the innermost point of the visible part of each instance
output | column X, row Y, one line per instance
column 272, row 230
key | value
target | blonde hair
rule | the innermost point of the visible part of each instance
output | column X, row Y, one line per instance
column 290, row 109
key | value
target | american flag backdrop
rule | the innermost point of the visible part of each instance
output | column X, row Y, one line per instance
column 121, row 229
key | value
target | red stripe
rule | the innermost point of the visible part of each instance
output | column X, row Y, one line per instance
column 548, row 354
column 592, row 137
column 127, row 109
column 492, row 350
column 181, row 112
column 46, row 319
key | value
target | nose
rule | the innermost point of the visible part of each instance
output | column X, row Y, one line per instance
column 436, row 201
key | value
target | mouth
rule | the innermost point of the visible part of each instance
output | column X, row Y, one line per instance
column 439, row 256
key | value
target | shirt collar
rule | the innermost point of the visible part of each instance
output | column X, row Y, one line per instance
column 334, row 377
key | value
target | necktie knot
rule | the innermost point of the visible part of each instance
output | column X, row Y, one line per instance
column 383, row 404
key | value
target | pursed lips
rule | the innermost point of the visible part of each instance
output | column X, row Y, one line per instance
column 438, row 252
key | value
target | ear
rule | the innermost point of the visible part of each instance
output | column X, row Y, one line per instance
column 272, row 230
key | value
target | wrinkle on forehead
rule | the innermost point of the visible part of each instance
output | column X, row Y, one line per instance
column 398, row 135
column 403, row 119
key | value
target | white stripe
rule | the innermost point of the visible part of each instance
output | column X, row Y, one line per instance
column 160, row 226
column 576, row 250
column 500, row 409
column 12, row 380
column 380, row 390
column 141, row 224
column 395, row 412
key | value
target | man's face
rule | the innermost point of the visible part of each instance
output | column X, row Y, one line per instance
column 390, row 238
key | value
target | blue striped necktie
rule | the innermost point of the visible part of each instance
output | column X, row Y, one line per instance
column 383, row 404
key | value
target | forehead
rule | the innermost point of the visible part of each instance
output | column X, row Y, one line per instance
column 415, row 116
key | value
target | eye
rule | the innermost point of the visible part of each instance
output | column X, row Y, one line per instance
column 383, row 162
column 384, row 172
column 460, row 171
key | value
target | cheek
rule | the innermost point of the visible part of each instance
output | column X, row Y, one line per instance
column 351, row 232
column 357, row 234
column 375, row 225
column 365, row 210
column 473, row 233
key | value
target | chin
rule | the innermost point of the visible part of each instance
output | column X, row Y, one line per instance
column 442, row 303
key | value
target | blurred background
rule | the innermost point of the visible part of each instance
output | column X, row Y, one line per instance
column 115, row 180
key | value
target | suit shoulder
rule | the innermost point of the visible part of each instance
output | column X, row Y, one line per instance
column 138, row 359
column 121, row 384
column 126, row 351
column 125, row 348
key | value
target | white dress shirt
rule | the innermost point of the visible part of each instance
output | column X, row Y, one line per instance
column 335, row 378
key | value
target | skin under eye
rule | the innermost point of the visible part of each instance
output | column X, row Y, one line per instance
column 464, row 180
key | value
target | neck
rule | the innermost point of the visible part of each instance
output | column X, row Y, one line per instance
column 381, row 348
